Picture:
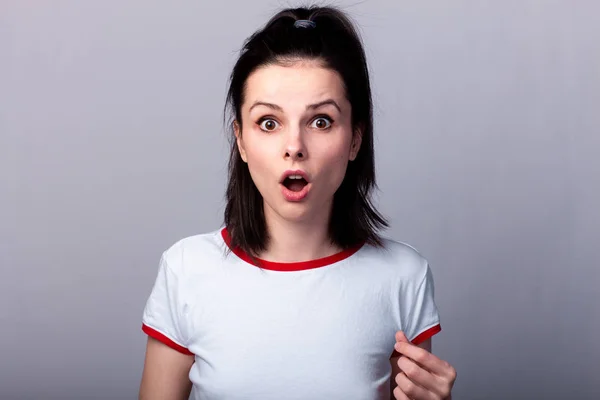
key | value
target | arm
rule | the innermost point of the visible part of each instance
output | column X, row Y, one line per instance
column 165, row 374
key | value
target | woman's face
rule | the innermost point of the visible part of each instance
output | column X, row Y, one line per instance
column 296, row 138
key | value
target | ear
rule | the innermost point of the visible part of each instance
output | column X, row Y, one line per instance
column 239, row 141
column 356, row 142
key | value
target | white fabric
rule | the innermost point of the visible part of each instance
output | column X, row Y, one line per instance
column 321, row 333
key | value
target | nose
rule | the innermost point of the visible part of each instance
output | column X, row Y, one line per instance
column 295, row 148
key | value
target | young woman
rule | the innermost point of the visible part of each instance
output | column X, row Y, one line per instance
column 298, row 296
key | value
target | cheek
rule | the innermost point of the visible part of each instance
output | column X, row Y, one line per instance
column 335, row 165
column 258, row 159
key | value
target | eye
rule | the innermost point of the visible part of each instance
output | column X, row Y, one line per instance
column 322, row 122
column 268, row 124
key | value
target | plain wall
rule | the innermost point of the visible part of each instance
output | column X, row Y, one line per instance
column 487, row 143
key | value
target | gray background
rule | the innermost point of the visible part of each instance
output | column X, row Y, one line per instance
column 111, row 149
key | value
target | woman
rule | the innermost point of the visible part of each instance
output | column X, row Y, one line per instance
column 298, row 297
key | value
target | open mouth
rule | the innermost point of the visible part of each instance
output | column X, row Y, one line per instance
column 294, row 183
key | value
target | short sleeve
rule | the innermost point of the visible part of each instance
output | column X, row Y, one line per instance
column 162, row 317
column 423, row 319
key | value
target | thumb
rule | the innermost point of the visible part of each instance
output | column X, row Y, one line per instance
column 401, row 337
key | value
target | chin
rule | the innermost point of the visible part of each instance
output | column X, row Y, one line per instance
column 294, row 212
column 290, row 211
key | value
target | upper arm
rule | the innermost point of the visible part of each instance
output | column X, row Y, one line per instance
column 167, row 362
column 394, row 360
column 165, row 374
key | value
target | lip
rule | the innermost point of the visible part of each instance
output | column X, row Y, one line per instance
column 291, row 195
column 294, row 172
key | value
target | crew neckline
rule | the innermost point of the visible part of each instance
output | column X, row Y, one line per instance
column 289, row 266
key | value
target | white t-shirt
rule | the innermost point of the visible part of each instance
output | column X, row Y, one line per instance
column 322, row 329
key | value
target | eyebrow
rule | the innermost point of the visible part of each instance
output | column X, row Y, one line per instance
column 308, row 107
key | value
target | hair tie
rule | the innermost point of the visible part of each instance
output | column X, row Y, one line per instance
column 304, row 23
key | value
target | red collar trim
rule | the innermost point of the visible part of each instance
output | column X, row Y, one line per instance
column 289, row 266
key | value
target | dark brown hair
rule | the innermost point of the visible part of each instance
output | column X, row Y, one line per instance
column 334, row 41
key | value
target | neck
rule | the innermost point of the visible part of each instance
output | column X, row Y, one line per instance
column 294, row 241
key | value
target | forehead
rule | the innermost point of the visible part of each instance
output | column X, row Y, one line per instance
column 300, row 83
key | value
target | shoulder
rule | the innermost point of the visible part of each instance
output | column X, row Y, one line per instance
column 397, row 257
column 194, row 251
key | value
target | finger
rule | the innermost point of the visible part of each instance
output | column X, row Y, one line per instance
column 420, row 376
column 411, row 389
column 401, row 337
column 399, row 394
column 422, row 357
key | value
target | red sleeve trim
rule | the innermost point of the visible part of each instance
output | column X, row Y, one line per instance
column 153, row 333
column 421, row 337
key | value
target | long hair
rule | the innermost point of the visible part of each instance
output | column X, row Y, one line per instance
column 333, row 40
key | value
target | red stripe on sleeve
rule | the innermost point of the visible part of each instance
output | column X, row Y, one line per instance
column 423, row 336
column 153, row 333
